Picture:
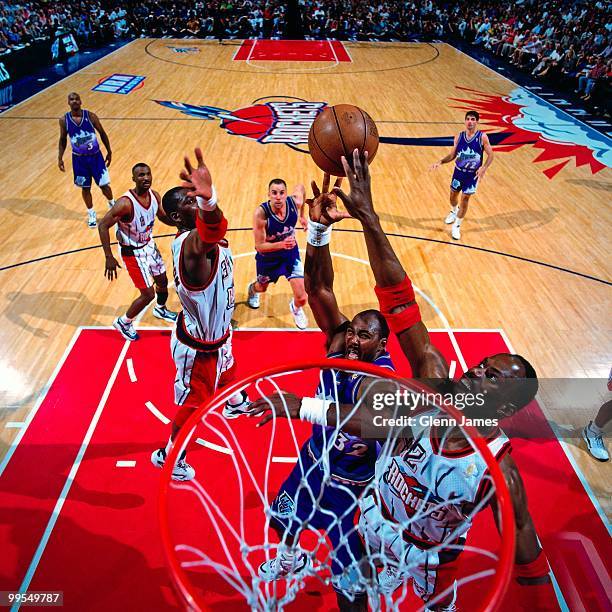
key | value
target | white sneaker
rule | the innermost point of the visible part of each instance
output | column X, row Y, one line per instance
column 253, row 297
column 182, row 470
column 299, row 316
column 456, row 232
column 125, row 329
column 452, row 215
column 161, row 312
column 92, row 220
column 595, row 444
column 233, row 411
column 282, row 565
column 390, row 579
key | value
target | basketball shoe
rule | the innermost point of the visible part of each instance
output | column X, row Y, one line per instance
column 299, row 316
column 456, row 232
column 92, row 220
column 452, row 215
column 233, row 411
column 594, row 442
column 253, row 297
column 161, row 312
column 283, row 564
column 125, row 329
column 182, row 470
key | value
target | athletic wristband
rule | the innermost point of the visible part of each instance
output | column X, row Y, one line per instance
column 536, row 569
column 394, row 296
column 314, row 410
column 208, row 205
column 211, row 233
column 318, row 234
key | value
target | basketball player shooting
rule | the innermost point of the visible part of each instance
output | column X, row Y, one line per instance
column 351, row 460
column 134, row 214
column 201, row 341
column 387, row 522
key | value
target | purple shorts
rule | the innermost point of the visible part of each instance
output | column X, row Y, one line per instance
column 86, row 167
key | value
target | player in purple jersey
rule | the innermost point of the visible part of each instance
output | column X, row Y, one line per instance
column 467, row 152
column 80, row 126
column 274, row 224
column 351, row 459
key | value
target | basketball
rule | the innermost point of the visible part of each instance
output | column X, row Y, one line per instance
column 339, row 130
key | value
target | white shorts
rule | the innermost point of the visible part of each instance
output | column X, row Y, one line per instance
column 143, row 263
column 198, row 374
column 384, row 544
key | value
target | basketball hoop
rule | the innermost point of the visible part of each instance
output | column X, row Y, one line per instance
column 215, row 528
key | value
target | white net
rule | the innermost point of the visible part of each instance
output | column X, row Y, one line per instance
column 398, row 539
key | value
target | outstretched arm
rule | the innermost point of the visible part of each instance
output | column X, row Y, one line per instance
column 393, row 287
column 211, row 225
column 318, row 268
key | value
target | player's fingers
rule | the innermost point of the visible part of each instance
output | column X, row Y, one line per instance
column 188, row 166
column 357, row 163
column 315, row 189
column 326, row 181
column 338, row 182
column 185, row 175
column 265, row 420
column 341, row 195
column 365, row 164
column 347, row 170
column 199, row 157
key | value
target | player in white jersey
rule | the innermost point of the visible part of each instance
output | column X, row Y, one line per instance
column 204, row 279
column 506, row 382
column 134, row 214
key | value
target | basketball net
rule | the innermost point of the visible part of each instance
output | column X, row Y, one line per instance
column 216, row 528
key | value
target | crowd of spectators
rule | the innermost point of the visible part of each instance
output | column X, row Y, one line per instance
column 558, row 40
column 93, row 23
column 567, row 44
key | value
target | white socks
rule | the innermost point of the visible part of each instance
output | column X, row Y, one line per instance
column 125, row 319
column 458, row 222
column 111, row 203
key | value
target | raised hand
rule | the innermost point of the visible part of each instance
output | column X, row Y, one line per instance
column 359, row 201
column 322, row 208
column 281, row 404
column 197, row 181
column 110, row 267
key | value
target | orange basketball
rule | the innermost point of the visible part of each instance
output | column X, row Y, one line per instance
column 339, row 130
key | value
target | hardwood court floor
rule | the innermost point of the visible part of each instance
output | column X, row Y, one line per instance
column 534, row 259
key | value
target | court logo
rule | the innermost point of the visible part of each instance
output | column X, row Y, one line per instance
column 120, row 84
column 521, row 119
column 273, row 119
column 184, row 49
